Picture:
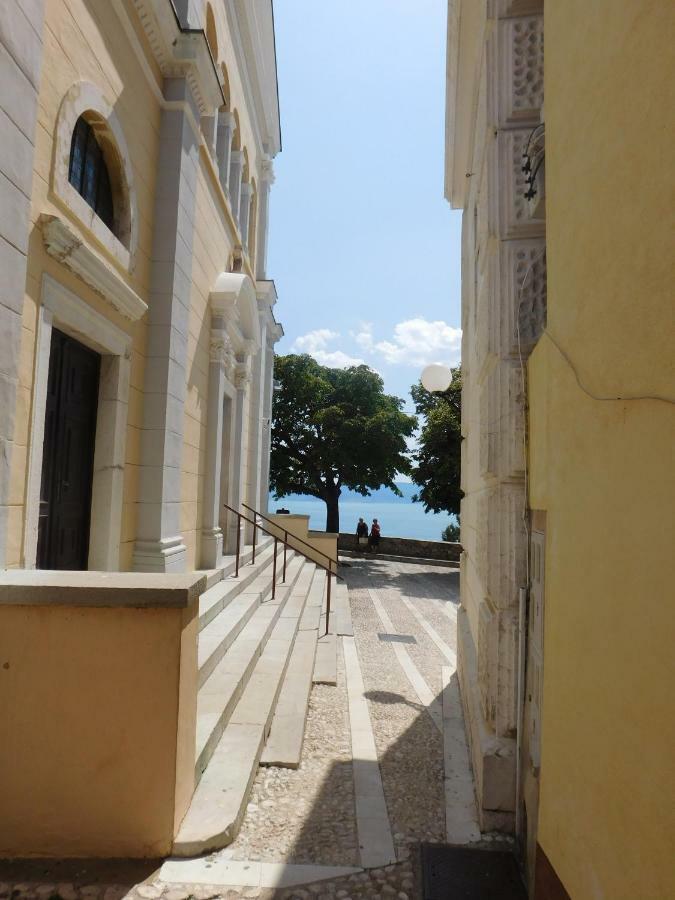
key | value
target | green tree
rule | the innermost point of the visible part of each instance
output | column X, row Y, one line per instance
column 451, row 533
column 335, row 428
column 437, row 461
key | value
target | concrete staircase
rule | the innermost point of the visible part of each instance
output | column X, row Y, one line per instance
column 256, row 660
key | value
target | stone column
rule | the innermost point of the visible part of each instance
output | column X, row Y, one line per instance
column 159, row 544
column 21, row 57
column 245, row 212
column 266, row 436
column 267, row 180
column 236, row 171
column 224, row 137
column 256, row 424
column 242, row 378
column 220, row 363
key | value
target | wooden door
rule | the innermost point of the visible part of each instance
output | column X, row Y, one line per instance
column 68, row 454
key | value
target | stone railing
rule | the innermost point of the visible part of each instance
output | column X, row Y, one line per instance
column 398, row 546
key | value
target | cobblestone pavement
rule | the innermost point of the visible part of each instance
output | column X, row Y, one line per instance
column 312, row 816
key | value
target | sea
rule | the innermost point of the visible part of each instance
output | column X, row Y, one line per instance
column 398, row 516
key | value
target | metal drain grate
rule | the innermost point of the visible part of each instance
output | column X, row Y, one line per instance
column 399, row 638
column 464, row 873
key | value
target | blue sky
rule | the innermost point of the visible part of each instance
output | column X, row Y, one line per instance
column 364, row 250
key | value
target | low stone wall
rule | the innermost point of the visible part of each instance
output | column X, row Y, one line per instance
column 395, row 546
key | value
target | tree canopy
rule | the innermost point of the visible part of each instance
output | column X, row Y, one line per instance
column 437, row 461
column 335, row 428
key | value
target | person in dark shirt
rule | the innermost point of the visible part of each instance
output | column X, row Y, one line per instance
column 374, row 539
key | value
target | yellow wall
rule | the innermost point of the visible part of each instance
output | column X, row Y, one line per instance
column 603, row 469
column 98, row 729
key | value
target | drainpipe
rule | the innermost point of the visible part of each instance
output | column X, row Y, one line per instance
column 522, row 645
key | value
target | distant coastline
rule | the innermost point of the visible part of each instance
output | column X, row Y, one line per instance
column 398, row 516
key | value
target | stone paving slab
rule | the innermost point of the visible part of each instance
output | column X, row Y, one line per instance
column 284, row 744
column 325, row 666
column 372, row 821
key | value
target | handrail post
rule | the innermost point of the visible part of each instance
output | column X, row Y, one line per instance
column 274, row 569
column 236, row 565
column 283, row 579
column 255, row 529
column 329, row 577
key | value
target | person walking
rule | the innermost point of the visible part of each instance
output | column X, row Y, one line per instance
column 361, row 535
column 374, row 539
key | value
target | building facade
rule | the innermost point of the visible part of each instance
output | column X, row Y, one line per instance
column 137, row 315
column 495, row 98
column 564, row 655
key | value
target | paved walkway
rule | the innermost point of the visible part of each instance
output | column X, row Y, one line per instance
column 384, row 764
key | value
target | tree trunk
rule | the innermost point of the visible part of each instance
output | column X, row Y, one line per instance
column 332, row 512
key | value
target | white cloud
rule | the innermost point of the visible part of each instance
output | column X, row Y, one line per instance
column 316, row 342
column 415, row 342
column 336, row 359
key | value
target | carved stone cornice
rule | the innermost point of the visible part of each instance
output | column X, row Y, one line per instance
column 267, row 171
column 63, row 244
column 181, row 52
column 242, row 374
column 220, row 350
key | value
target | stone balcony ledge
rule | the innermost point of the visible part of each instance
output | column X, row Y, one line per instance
column 39, row 587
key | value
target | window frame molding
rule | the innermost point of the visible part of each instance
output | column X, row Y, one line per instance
column 81, row 98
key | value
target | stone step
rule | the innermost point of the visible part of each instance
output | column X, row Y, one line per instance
column 284, row 744
column 216, row 598
column 343, row 614
column 219, row 801
column 325, row 665
column 215, row 639
column 222, row 690
column 228, row 564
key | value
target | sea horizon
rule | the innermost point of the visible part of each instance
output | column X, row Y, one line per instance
column 397, row 516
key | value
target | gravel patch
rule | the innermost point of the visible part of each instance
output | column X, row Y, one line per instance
column 307, row 815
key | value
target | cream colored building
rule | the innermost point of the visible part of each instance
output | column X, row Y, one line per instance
column 137, row 336
column 494, row 105
column 563, row 166
column 137, row 315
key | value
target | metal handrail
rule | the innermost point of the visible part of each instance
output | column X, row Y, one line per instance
column 328, row 569
column 295, row 537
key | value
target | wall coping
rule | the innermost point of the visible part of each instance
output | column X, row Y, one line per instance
column 39, row 587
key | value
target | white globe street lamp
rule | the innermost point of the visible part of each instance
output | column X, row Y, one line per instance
column 436, row 378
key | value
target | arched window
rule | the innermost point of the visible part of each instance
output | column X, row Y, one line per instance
column 88, row 173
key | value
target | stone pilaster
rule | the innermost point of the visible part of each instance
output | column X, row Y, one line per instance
column 221, row 360
column 256, row 421
column 267, row 180
column 246, row 197
column 234, row 183
column 242, row 380
column 274, row 333
column 226, row 126
column 20, row 65
column 159, row 544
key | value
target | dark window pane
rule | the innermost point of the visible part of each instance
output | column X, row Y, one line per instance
column 77, row 148
column 88, row 174
column 104, row 204
column 92, row 162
